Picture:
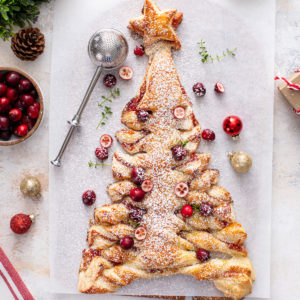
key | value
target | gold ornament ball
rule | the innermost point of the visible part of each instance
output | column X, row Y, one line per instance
column 31, row 187
column 240, row 161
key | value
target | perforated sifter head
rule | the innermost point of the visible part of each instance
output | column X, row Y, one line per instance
column 108, row 48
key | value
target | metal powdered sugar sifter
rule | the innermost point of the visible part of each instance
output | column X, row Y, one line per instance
column 107, row 49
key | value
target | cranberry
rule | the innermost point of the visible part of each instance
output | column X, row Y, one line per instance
column 219, row 88
column 13, row 79
column 202, row 255
column 137, row 175
column 147, row 185
column 24, row 86
column 101, row 153
column 139, row 50
column 12, row 94
column 208, row 135
column 109, row 80
column 19, row 105
column 143, row 115
column 126, row 73
column 126, row 242
column 137, row 195
column 205, row 209
column 187, row 211
column 21, row 130
column 1, row 77
column 106, row 140
column 89, row 197
column 5, row 135
column 2, row 89
column 15, row 114
column 4, row 123
column 179, row 112
column 32, row 112
column 178, row 152
column 33, row 93
column 140, row 233
column 199, row 89
column 27, row 121
column 181, row 189
column 27, row 100
column 4, row 105
column 36, row 105
column 136, row 214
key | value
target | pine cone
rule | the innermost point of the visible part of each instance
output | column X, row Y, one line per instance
column 28, row 43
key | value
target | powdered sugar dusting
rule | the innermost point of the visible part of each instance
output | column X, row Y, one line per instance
column 75, row 177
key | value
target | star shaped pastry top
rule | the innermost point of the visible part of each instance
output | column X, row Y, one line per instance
column 155, row 25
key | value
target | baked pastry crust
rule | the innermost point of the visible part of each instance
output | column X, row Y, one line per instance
column 172, row 241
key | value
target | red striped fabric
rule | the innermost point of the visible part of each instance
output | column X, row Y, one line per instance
column 15, row 277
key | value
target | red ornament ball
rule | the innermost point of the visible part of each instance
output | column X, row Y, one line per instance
column 232, row 125
column 20, row 223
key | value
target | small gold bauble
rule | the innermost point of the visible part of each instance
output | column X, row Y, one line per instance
column 31, row 187
column 240, row 161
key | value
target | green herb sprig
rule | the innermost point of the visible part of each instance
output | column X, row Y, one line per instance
column 107, row 110
column 133, row 223
column 95, row 165
column 183, row 144
column 195, row 208
column 206, row 57
column 18, row 13
column 180, row 142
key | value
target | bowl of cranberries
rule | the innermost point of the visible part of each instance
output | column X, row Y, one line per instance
column 21, row 106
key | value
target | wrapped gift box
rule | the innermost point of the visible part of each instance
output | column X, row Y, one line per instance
column 292, row 96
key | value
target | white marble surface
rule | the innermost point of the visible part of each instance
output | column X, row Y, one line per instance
column 29, row 253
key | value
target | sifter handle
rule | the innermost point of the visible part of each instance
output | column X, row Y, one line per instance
column 76, row 119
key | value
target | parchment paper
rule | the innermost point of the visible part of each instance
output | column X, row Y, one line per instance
column 248, row 25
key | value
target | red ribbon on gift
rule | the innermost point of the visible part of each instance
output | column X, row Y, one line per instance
column 290, row 85
column 12, row 279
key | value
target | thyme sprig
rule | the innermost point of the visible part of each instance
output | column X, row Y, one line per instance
column 179, row 142
column 95, row 165
column 183, row 144
column 195, row 208
column 206, row 57
column 105, row 113
column 133, row 223
column 107, row 110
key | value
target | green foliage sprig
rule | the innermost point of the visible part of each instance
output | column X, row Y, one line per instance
column 133, row 223
column 107, row 110
column 206, row 57
column 18, row 13
column 195, row 208
column 95, row 165
column 179, row 142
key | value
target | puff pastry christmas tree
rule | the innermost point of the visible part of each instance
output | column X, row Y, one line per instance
column 168, row 215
